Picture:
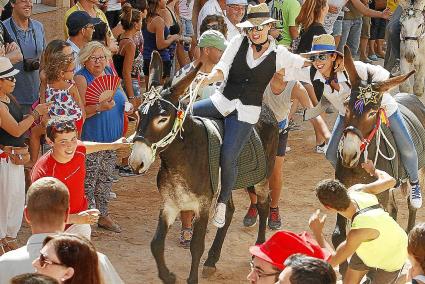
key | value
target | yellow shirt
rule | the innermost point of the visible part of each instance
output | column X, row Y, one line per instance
column 387, row 252
column 392, row 5
column 78, row 7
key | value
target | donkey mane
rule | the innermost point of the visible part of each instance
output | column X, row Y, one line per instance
column 357, row 104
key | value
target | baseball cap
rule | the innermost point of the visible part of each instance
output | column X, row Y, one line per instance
column 283, row 244
column 78, row 20
column 237, row 2
column 213, row 38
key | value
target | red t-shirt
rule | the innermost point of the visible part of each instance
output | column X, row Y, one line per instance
column 72, row 174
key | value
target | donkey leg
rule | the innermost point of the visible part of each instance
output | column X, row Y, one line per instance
column 392, row 205
column 405, row 87
column 418, row 86
column 215, row 250
column 263, row 207
column 157, row 248
column 412, row 216
column 338, row 236
column 197, row 245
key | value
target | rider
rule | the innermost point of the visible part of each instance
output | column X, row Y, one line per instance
column 336, row 88
column 247, row 66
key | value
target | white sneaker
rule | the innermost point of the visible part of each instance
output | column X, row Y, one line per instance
column 321, row 149
column 219, row 218
column 415, row 196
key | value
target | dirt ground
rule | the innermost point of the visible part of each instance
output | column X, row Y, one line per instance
column 137, row 206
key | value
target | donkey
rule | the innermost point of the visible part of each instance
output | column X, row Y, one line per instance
column 183, row 179
column 412, row 45
column 353, row 144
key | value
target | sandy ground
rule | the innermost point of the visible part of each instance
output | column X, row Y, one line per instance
column 137, row 206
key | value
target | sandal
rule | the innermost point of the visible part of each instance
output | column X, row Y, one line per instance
column 114, row 227
column 11, row 243
column 3, row 247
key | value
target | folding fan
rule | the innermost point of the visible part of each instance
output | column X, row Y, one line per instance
column 102, row 89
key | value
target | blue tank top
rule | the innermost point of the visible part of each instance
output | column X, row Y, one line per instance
column 149, row 44
column 107, row 126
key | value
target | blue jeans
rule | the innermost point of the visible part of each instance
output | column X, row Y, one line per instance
column 332, row 151
column 351, row 31
column 236, row 134
column 405, row 145
column 393, row 40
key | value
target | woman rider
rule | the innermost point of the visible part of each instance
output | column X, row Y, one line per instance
column 335, row 88
column 247, row 65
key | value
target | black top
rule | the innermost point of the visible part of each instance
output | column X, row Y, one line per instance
column 174, row 28
column 306, row 37
column 248, row 84
column 5, row 138
column 4, row 35
column 118, row 58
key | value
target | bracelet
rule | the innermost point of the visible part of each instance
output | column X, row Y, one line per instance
column 97, row 108
column 35, row 115
column 130, row 98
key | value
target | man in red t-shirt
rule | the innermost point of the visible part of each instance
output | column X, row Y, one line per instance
column 66, row 161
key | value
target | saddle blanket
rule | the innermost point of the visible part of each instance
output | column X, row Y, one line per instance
column 252, row 160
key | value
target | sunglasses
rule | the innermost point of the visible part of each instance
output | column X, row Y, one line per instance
column 261, row 274
column 10, row 78
column 213, row 27
column 44, row 261
column 321, row 57
column 257, row 28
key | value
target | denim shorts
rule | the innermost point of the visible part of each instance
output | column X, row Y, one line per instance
column 337, row 29
column 187, row 27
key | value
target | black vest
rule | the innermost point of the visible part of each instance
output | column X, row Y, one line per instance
column 248, row 84
column 5, row 138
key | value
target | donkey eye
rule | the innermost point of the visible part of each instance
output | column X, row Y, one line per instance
column 372, row 113
column 163, row 120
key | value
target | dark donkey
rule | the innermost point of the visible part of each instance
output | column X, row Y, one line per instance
column 359, row 140
column 183, row 178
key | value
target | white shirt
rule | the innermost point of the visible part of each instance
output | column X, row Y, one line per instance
column 113, row 5
column 212, row 7
column 76, row 51
column 19, row 261
column 337, row 98
column 248, row 113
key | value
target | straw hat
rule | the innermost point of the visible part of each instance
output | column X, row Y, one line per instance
column 324, row 43
column 257, row 15
column 6, row 68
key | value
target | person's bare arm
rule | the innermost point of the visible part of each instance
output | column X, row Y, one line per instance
column 129, row 52
column 386, row 14
column 13, row 52
column 293, row 32
column 383, row 182
column 92, row 147
column 158, row 28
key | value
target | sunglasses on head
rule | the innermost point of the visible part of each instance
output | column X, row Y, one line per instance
column 44, row 261
column 321, row 56
column 213, row 27
column 64, row 126
column 10, row 78
column 257, row 28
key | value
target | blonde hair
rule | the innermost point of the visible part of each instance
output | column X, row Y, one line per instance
column 57, row 63
column 88, row 50
column 310, row 13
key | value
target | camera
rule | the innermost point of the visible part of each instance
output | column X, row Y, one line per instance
column 31, row 64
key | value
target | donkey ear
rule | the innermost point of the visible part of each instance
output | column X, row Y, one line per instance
column 155, row 70
column 386, row 85
column 180, row 87
column 350, row 67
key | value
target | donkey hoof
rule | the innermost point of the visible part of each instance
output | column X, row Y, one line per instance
column 170, row 279
column 207, row 271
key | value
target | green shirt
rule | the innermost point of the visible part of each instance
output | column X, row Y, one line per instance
column 387, row 252
column 285, row 11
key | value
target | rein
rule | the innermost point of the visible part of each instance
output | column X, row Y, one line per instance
column 152, row 96
column 411, row 12
column 376, row 131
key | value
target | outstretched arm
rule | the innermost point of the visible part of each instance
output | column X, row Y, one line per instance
column 383, row 180
column 92, row 147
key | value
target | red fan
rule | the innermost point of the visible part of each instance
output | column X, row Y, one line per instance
column 102, row 89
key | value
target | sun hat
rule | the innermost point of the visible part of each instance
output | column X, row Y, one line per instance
column 257, row 15
column 324, row 43
column 6, row 68
column 283, row 244
column 78, row 20
column 212, row 38
column 237, row 2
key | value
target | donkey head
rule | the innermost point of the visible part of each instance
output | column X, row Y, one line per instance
column 412, row 23
column 157, row 115
column 361, row 110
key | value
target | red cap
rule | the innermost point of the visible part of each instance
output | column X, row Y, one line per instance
column 283, row 244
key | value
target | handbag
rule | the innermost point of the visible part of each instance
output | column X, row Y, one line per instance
column 17, row 155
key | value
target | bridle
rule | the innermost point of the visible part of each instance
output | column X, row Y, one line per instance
column 153, row 96
column 376, row 131
column 409, row 13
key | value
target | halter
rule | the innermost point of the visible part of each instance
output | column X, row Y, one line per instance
column 409, row 13
column 154, row 95
column 377, row 130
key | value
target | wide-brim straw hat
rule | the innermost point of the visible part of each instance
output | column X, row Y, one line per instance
column 257, row 15
column 324, row 43
column 6, row 68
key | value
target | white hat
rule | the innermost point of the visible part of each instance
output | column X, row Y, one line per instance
column 257, row 15
column 6, row 68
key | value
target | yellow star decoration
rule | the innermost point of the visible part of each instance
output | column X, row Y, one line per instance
column 368, row 95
